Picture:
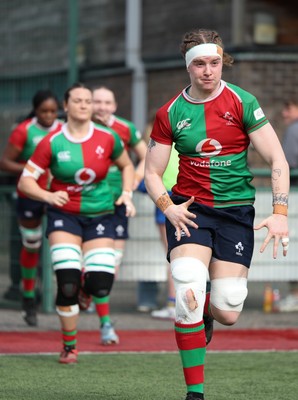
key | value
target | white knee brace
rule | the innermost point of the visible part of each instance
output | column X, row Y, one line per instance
column 189, row 275
column 65, row 256
column 228, row 294
column 100, row 260
column 31, row 238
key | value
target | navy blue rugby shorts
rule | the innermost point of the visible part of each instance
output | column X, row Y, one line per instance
column 120, row 223
column 88, row 228
column 227, row 231
column 30, row 209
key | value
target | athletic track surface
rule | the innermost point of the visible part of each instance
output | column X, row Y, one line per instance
column 149, row 341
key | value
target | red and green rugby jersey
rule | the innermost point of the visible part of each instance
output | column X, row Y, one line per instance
column 212, row 138
column 26, row 136
column 79, row 167
column 131, row 137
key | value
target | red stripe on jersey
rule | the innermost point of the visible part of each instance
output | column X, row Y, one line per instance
column 162, row 130
column 188, row 179
column 122, row 130
column 223, row 120
column 18, row 136
column 97, row 151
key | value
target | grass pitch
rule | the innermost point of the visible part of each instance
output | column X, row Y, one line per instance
column 143, row 376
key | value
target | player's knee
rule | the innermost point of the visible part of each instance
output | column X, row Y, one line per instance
column 31, row 237
column 68, row 286
column 98, row 284
column 99, row 271
column 227, row 298
column 189, row 275
column 227, row 318
column 69, row 289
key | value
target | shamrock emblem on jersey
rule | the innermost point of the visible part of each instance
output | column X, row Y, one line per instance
column 99, row 151
column 84, row 176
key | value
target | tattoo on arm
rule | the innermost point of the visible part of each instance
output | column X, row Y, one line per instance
column 280, row 198
column 276, row 173
column 151, row 144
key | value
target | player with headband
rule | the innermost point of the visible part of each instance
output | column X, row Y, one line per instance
column 210, row 214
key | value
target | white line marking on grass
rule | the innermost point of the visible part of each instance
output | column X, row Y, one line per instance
column 151, row 352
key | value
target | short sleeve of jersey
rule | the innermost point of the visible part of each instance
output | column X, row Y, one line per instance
column 161, row 130
column 42, row 154
column 18, row 136
column 253, row 115
column 135, row 135
column 118, row 145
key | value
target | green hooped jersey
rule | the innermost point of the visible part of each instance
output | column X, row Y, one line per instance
column 80, row 167
column 212, row 138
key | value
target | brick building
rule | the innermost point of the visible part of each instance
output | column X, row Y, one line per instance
column 112, row 45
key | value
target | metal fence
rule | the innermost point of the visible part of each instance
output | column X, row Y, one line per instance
column 144, row 257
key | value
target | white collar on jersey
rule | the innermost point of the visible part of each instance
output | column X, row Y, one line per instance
column 43, row 128
column 193, row 100
column 72, row 139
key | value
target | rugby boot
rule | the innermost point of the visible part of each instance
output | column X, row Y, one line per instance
column 108, row 334
column 69, row 355
column 29, row 311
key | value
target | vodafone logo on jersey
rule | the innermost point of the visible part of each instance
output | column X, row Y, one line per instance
column 84, row 176
column 208, row 148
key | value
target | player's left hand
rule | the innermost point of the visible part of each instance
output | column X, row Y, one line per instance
column 130, row 208
column 278, row 230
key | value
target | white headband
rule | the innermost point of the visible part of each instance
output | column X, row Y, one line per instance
column 203, row 50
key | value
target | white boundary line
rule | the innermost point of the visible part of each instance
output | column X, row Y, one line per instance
column 152, row 352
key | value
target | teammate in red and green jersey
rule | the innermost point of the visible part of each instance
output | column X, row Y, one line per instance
column 104, row 108
column 81, row 208
column 210, row 214
column 21, row 145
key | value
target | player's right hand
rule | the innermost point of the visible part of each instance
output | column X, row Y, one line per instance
column 58, row 199
column 180, row 217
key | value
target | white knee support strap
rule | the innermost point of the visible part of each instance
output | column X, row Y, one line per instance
column 74, row 310
column 31, row 238
column 66, row 256
column 228, row 294
column 189, row 275
column 100, row 260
